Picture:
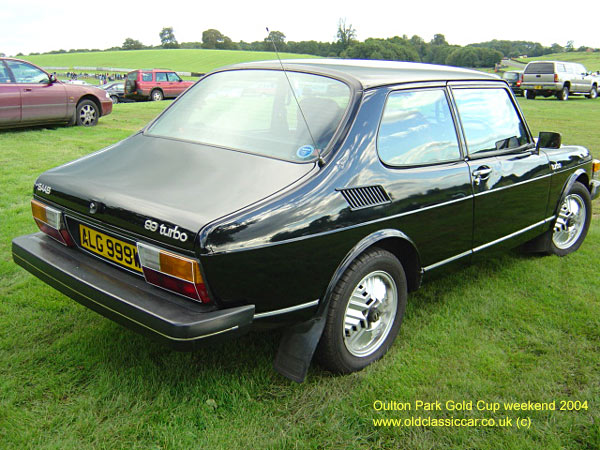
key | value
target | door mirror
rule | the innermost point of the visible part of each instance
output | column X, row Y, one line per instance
column 549, row 139
column 52, row 79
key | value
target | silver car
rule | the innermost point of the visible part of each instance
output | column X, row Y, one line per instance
column 558, row 78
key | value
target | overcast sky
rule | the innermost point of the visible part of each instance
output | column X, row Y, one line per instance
column 42, row 25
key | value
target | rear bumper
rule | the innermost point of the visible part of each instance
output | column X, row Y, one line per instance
column 594, row 189
column 542, row 87
column 124, row 298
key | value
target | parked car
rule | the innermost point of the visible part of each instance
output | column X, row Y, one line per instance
column 31, row 96
column 514, row 78
column 155, row 84
column 116, row 91
column 558, row 78
column 239, row 208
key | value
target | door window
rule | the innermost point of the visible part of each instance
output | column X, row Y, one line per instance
column 26, row 73
column 4, row 75
column 490, row 120
column 172, row 76
column 161, row 76
column 417, row 128
column 147, row 76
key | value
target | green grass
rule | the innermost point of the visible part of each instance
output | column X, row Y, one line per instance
column 514, row 328
column 591, row 60
column 187, row 60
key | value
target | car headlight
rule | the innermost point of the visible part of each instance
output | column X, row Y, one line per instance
column 107, row 94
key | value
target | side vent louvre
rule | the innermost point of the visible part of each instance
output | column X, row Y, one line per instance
column 366, row 196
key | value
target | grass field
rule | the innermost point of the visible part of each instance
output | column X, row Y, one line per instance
column 188, row 60
column 513, row 329
column 591, row 60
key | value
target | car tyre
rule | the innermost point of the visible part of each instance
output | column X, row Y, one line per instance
column 114, row 99
column 563, row 94
column 87, row 113
column 530, row 95
column 593, row 93
column 365, row 313
column 156, row 95
column 572, row 222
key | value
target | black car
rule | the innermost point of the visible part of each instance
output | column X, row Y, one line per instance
column 116, row 92
column 314, row 199
column 514, row 78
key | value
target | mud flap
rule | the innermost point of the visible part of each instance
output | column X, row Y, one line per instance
column 297, row 346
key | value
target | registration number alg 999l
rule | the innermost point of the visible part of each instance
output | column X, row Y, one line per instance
column 110, row 248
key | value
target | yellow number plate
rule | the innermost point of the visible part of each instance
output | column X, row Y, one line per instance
column 110, row 248
column 538, row 87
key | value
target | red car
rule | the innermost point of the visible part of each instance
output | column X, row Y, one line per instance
column 154, row 84
column 31, row 96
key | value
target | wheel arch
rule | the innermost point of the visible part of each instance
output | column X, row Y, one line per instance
column 157, row 89
column 392, row 240
column 579, row 175
column 93, row 99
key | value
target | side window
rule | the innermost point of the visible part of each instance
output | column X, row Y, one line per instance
column 417, row 128
column 147, row 76
column 172, row 76
column 26, row 73
column 4, row 75
column 161, row 76
column 560, row 67
column 489, row 119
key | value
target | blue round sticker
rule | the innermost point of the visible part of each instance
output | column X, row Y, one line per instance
column 305, row 151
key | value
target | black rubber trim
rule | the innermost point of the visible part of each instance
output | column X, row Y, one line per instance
column 125, row 298
column 594, row 189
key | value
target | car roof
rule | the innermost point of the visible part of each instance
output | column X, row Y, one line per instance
column 371, row 73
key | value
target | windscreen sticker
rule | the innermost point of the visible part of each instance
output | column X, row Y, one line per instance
column 305, row 151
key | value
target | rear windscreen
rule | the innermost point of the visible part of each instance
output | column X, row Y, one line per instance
column 540, row 68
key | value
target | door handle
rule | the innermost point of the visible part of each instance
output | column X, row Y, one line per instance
column 481, row 173
column 27, row 89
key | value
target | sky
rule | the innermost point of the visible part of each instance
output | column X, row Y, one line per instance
column 40, row 26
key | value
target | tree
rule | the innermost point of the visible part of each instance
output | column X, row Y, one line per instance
column 167, row 38
column 439, row 39
column 345, row 34
column 212, row 37
column 570, row 47
column 557, row 48
column 276, row 37
column 132, row 44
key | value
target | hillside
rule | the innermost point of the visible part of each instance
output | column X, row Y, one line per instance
column 189, row 60
column 591, row 60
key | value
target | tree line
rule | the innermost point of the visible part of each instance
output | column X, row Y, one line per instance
column 397, row 48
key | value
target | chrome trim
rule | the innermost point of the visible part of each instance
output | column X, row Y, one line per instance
column 489, row 244
column 286, row 310
column 516, row 233
column 124, row 301
column 488, row 191
column 447, row 260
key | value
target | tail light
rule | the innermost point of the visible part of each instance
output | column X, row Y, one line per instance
column 556, row 78
column 50, row 221
column 519, row 82
column 172, row 272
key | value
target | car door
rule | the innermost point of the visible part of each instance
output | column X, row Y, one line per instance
column 10, row 98
column 41, row 100
column 429, row 181
column 511, row 180
column 175, row 85
column 163, row 83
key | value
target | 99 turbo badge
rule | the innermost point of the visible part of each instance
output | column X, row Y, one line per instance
column 164, row 230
